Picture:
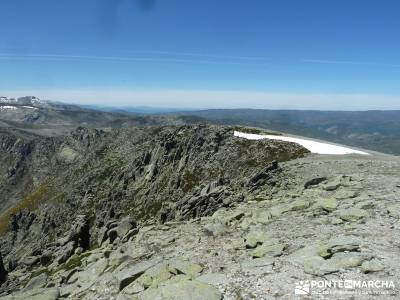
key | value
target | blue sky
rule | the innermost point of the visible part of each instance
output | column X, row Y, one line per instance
column 265, row 54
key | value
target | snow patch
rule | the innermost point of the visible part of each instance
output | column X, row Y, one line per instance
column 312, row 146
column 36, row 100
column 6, row 107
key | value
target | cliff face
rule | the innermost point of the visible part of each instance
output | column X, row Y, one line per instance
column 28, row 161
column 68, row 194
column 190, row 212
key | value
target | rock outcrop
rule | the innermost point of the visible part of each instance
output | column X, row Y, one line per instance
column 3, row 272
column 190, row 212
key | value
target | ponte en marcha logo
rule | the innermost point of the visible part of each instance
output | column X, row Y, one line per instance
column 310, row 287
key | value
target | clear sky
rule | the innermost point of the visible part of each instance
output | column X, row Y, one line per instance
column 342, row 54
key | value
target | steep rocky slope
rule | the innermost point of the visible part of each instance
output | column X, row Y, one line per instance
column 314, row 218
column 80, row 194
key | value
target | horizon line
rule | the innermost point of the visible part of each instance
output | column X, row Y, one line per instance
column 213, row 99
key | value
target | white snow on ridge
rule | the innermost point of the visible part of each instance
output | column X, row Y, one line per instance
column 312, row 146
column 6, row 107
column 35, row 100
column 9, row 107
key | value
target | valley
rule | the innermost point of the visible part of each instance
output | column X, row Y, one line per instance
column 143, row 211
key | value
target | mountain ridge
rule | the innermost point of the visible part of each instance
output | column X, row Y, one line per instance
column 173, row 205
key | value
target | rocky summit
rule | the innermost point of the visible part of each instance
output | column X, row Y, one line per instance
column 192, row 212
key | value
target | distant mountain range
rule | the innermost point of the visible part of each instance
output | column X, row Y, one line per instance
column 135, row 109
column 373, row 130
column 106, row 205
column 30, row 115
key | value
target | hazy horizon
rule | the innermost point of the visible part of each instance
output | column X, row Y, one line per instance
column 215, row 99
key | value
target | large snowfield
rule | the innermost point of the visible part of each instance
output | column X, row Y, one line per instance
column 313, row 146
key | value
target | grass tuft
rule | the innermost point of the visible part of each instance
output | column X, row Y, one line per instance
column 30, row 202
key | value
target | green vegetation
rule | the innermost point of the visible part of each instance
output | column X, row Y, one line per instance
column 39, row 272
column 192, row 119
column 190, row 180
column 252, row 163
column 30, row 202
column 253, row 130
column 73, row 262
